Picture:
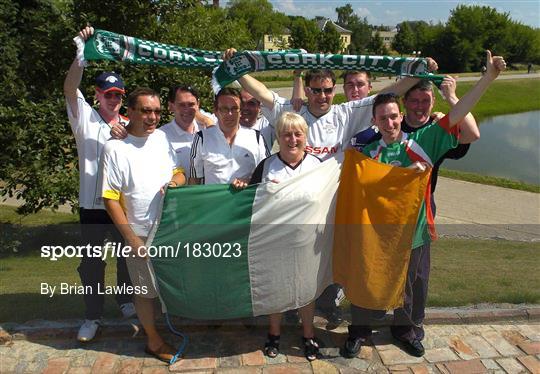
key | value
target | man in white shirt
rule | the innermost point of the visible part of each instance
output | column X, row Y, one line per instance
column 188, row 120
column 227, row 152
column 251, row 117
column 91, row 129
column 134, row 170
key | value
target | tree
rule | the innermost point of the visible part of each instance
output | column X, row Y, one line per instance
column 471, row 30
column 404, row 41
column 330, row 39
column 346, row 17
column 361, row 35
column 39, row 158
column 361, row 31
column 259, row 17
column 376, row 45
column 304, row 34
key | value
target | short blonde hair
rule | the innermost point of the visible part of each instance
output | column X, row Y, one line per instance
column 289, row 120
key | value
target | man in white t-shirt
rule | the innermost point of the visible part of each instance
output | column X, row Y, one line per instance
column 134, row 170
column 251, row 117
column 91, row 129
column 188, row 120
column 226, row 152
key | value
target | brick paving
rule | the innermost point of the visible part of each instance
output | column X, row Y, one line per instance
column 489, row 347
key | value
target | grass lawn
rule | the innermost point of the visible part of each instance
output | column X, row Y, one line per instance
column 8, row 214
column 492, row 181
column 463, row 272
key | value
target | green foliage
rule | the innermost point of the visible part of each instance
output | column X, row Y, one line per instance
column 404, row 42
column 39, row 160
column 360, row 28
column 304, row 34
column 346, row 16
column 330, row 39
column 258, row 16
column 376, row 45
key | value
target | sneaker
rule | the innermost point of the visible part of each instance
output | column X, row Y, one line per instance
column 353, row 346
column 88, row 330
column 128, row 310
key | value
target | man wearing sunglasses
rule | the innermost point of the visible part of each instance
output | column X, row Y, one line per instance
column 91, row 129
column 134, row 170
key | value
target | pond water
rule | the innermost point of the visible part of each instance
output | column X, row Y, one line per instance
column 509, row 147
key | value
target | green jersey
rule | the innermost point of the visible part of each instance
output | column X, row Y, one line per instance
column 425, row 145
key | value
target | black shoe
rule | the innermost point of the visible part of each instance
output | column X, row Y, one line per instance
column 271, row 347
column 414, row 348
column 311, row 349
column 353, row 346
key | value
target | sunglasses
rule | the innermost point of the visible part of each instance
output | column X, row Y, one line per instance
column 318, row 91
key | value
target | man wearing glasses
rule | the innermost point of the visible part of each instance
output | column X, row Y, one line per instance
column 228, row 152
column 134, row 170
column 91, row 129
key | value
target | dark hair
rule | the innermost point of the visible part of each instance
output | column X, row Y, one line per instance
column 354, row 72
column 385, row 99
column 227, row 91
column 182, row 88
column 320, row 74
column 139, row 91
column 422, row 85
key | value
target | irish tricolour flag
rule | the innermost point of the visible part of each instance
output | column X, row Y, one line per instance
column 271, row 247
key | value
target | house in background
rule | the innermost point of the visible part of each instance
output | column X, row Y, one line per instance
column 386, row 36
column 273, row 43
column 280, row 42
column 345, row 35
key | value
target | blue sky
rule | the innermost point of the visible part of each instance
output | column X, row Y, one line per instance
column 392, row 12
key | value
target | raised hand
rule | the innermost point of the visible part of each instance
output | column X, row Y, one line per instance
column 87, row 32
column 494, row 65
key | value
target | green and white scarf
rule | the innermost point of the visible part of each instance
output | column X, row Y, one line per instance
column 106, row 45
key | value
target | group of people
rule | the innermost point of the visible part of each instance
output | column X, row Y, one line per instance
column 121, row 178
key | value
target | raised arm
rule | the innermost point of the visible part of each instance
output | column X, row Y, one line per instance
column 403, row 85
column 255, row 88
column 494, row 65
column 469, row 131
column 74, row 76
column 298, row 97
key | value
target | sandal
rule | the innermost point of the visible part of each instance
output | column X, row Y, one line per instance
column 271, row 347
column 311, row 349
column 164, row 353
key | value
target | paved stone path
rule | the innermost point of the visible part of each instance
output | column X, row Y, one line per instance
column 496, row 347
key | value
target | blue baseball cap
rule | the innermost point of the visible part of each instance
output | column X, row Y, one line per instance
column 109, row 81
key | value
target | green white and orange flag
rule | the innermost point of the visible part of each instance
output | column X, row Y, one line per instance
column 269, row 248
